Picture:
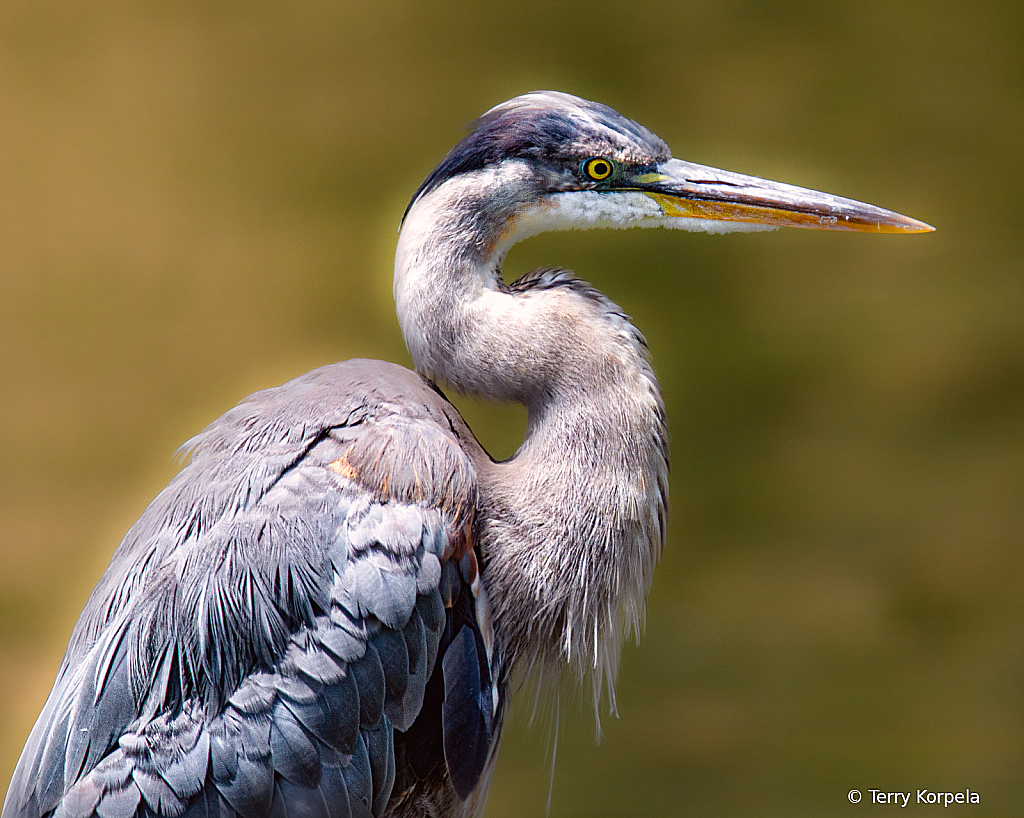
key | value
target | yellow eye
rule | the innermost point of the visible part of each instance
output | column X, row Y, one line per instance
column 597, row 168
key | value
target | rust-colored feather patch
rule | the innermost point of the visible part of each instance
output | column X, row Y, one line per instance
column 343, row 467
column 459, row 547
column 411, row 462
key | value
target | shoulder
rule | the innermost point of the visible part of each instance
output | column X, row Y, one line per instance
column 396, row 435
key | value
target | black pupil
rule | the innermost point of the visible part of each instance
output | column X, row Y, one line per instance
column 599, row 168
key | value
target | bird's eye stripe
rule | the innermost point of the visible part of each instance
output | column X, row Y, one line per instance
column 597, row 168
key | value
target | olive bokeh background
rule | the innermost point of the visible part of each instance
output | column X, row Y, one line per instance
column 201, row 199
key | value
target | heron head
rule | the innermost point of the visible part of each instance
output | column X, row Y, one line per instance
column 549, row 160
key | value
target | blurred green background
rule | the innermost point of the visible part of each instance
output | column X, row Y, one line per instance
column 198, row 200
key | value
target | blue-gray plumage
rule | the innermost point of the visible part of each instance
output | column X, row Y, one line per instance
column 322, row 614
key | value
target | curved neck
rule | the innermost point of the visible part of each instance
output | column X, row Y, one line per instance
column 570, row 528
column 446, row 265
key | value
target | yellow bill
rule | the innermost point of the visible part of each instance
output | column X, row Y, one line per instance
column 687, row 190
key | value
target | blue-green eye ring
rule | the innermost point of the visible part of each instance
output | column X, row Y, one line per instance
column 597, row 168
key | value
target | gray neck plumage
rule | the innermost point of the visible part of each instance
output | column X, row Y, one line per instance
column 571, row 526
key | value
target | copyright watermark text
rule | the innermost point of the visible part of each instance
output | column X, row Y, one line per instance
column 904, row 799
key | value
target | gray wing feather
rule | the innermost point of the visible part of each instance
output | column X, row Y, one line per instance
column 296, row 752
column 270, row 621
column 369, row 677
column 120, row 801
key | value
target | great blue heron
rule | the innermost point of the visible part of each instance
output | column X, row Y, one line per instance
column 322, row 614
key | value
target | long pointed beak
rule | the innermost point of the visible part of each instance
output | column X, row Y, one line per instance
column 686, row 190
